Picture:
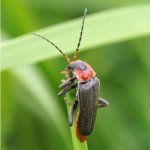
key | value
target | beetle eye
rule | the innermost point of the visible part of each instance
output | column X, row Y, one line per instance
column 69, row 67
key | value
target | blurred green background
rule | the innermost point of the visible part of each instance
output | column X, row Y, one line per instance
column 34, row 118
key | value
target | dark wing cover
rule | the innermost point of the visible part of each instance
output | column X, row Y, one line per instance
column 88, row 101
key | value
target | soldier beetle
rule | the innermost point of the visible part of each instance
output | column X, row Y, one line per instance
column 87, row 96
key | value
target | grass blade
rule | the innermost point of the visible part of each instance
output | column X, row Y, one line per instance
column 33, row 81
column 76, row 143
column 100, row 29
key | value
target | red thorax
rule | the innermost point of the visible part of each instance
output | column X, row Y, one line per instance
column 84, row 75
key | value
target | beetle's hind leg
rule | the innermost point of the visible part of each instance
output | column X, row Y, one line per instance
column 73, row 108
column 102, row 102
column 71, row 114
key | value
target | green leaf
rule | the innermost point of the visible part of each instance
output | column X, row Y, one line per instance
column 34, row 82
column 76, row 143
column 100, row 29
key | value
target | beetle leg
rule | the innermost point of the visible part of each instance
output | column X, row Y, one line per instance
column 74, row 107
column 67, row 102
column 67, row 82
column 66, row 73
column 64, row 91
column 102, row 102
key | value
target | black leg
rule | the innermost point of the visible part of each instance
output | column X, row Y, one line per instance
column 102, row 103
column 67, row 82
column 74, row 107
column 64, row 91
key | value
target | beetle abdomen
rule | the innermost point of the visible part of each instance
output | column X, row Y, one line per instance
column 88, row 100
column 80, row 137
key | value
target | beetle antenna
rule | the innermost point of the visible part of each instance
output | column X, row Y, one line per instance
column 80, row 37
column 66, row 57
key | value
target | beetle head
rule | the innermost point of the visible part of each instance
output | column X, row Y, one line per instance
column 81, row 70
column 80, row 65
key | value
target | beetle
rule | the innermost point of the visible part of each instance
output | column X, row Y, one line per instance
column 87, row 96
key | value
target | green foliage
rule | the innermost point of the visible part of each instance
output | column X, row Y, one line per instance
column 110, row 26
column 115, row 43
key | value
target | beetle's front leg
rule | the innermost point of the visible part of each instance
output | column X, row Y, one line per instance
column 68, row 88
column 67, row 82
column 102, row 102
